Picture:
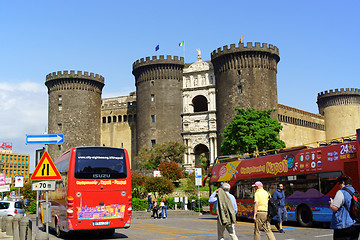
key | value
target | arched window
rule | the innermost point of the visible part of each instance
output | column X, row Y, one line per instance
column 109, row 119
column 200, row 104
column 119, row 118
column 114, row 118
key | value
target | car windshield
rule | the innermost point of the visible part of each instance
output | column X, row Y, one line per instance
column 4, row 205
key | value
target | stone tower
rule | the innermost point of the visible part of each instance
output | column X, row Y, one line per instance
column 158, row 99
column 74, row 109
column 341, row 109
column 245, row 78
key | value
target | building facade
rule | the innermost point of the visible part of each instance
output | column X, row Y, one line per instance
column 118, row 128
column 190, row 103
column 15, row 164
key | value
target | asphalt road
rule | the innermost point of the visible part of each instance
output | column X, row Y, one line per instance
column 200, row 228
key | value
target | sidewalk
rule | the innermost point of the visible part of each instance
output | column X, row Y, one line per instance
column 3, row 236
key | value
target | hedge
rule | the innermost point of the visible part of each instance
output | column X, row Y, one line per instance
column 142, row 204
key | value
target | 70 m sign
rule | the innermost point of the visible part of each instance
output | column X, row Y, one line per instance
column 44, row 186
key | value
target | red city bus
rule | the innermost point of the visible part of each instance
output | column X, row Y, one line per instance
column 308, row 175
column 95, row 190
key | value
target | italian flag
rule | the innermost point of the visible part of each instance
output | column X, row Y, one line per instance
column 182, row 43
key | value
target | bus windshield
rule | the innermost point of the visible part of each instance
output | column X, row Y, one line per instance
column 100, row 163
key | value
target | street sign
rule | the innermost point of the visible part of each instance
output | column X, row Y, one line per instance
column 44, row 186
column 19, row 181
column 45, row 170
column 45, row 139
column 198, row 181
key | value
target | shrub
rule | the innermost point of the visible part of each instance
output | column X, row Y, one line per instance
column 138, row 188
column 161, row 185
column 32, row 207
column 139, row 204
column 171, row 170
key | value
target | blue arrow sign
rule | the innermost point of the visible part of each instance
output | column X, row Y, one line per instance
column 45, row 139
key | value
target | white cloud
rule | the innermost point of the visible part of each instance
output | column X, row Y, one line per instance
column 23, row 109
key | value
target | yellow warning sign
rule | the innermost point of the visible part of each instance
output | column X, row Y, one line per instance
column 45, row 170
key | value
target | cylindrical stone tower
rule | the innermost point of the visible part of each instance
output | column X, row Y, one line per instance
column 74, row 109
column 158, row 100
column 245, row 78
column 341, row 110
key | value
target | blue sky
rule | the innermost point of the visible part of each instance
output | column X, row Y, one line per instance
column 318, row 43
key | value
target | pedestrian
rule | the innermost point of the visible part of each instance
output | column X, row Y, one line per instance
column 149, row 203
column 163, row 205
column 226, row 210
column 155, row 209
column 261, row 212
column 341, row 221
column 279, row 197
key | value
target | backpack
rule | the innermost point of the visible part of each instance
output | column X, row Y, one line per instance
column 354, row 205
column 272, row 207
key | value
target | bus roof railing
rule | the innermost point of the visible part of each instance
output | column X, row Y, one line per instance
column 332, row 141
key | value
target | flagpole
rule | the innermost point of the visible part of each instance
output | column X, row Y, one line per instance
column 184, row 51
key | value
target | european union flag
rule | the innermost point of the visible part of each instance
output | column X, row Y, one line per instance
column 157, row 47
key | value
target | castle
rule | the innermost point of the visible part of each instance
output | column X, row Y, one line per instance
column 191, row 103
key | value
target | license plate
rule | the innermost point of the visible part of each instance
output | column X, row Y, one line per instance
column 101, row 223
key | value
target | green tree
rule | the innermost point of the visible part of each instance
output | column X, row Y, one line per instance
column 159, row 185
column 171, row 170
column 150, row 158
column 27, row 192
column 251, row 131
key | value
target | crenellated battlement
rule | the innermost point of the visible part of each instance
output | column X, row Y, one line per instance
column 73, row 74
column 337, row 92
column 264, row 47
column 337, row 97
column 158, row 60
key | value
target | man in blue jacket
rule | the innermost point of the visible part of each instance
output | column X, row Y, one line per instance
column 279, row 196
column 342, row 223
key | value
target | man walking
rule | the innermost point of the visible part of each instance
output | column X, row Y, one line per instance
column 279, row 196
column 226, row 210
column 150, row 203
column 261, row 212
column 341, row 221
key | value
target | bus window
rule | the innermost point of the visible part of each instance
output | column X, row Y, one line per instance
column 97, row 163
column 328, row 181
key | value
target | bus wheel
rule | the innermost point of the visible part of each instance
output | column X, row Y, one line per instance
column 304, row 216
column 58, row 231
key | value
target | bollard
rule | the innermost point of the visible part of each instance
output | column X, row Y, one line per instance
column 16, row 228
column 9, row 227
column 3, row 225
column 42, row 236
column 25, row 229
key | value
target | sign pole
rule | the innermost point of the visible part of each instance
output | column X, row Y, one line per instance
column 199, row 199
column 37, row 212
column 47, row 213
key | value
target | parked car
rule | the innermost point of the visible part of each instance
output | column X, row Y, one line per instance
column 11, row 208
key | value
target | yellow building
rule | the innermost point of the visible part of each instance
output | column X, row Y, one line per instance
column 15, row 164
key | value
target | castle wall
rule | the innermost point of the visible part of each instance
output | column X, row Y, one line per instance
column 341, row 109
column 159, row 101
column 300, row 127
column 245, row 78
column 74, row 109
column 118, row 124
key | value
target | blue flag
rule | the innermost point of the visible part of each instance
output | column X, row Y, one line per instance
column 157, row 47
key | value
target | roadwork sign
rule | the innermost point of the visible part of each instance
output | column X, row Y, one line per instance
column 45, row 170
